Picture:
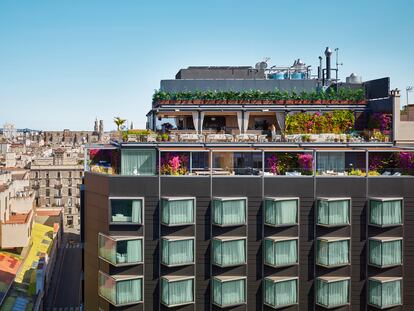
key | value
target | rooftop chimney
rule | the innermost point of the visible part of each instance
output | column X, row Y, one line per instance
column 328, row 53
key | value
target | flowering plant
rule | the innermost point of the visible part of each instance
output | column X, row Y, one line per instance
column 174, row 164
column 305, row 161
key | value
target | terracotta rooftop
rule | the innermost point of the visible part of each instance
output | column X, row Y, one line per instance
column 18, row 219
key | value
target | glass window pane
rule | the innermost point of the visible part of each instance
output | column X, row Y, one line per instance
column 138, row 162
column 176, row 212
column 228, row 253
column 281, row 212
column 229, row 212
column 177, row 252
column 120, row 252
column 177, row 292
column 385, row 253
column 229, row 293
column 120, row 292
column 333, row 212
column 280, row 253
column 126, row 210
column 280, row 293
column 384, row 294
column 385, row 212
column 332, row 294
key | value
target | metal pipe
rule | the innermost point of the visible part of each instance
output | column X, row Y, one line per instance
column 328, row 53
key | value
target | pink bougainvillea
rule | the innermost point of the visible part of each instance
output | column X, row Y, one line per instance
column 272, row 164
column 406, row 160
column 305, row 161
column 174, row 164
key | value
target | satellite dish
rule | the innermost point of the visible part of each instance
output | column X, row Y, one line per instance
column 257, row 66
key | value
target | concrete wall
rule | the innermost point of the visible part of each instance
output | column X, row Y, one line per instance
column 404, row 130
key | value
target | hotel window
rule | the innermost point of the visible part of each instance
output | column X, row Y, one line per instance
column 121, row 290
column 229, row 211
column 281, row 211
column 177, row 211
column 281, row 251
column 120, row 250
column 332, row 291
column 385, row 212
column 385, row 252
column 384, row 292
column 333, row 211
column 280, row 291
column 229, row 251
column 177, row 290
column 138, row 161
column 229, row 291
column 126, row 210
column 332, row 252
column 177, row 251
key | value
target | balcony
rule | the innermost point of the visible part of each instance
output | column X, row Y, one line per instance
column 121, row 290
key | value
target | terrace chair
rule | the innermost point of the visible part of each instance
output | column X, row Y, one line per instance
column 151, row 138
column 132, row 138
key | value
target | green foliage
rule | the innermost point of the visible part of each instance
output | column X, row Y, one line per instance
column 338, row 121
column 348, row 94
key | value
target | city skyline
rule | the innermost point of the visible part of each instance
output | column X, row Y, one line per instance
column 80, row 61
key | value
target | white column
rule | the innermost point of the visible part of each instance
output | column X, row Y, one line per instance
column 246, row 121
column 240, row 120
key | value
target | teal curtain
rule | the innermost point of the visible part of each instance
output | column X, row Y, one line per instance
column 175, row 212
column 375, row 250
column 229, row 293
column 138, row 162
column 281, row 253
column 333, row 212
column 128, row 291
column 136, row 211
column 129, row 251
column 385, row 212
column 107, row 248
column 228, row 253
column 280, row 293
column 332, row 253
column 384, row 294
column 126, row 210
column 177, row 252
column 385, row 253
column 229, row 212
column 334, row 161
column 177, row 292
column 281, row 212
column 332, row 294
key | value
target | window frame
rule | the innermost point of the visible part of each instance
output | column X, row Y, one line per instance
column 333, row 279
column 332, row 240
column 385, row 240
column 222, row 199
column 172, row 279
column 125, row 223
column 279, row 279
column 123, row 238
column 385, row 280
column 385, row 199
column 228, row 239
column 222, row 279
column 333, row 199
column 169, row 198
column 276, row 239
column 278, row 199
column 178, row 238
column 117, row 278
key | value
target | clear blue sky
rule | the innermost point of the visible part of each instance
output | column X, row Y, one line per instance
column 63, row 63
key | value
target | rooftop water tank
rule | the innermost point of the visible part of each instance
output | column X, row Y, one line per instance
column 354, row 79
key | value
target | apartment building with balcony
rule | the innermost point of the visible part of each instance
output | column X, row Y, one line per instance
column 234, row 200
column 56, row 181
column 16, row 210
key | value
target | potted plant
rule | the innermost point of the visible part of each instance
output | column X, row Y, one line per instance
column 305, row 98
column 197, row 98
column 286, row 97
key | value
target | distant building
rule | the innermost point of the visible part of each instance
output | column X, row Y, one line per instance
column 56, row 181
column 16, row 209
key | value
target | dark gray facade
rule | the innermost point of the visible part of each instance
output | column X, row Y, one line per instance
column 98, row 188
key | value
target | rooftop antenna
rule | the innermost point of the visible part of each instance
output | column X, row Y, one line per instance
column 337, row 63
